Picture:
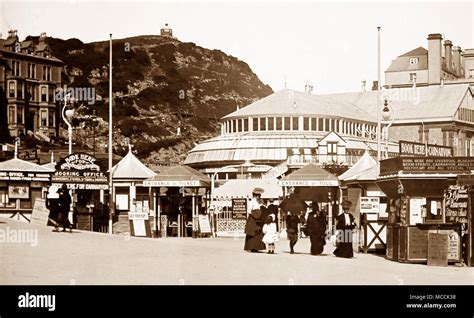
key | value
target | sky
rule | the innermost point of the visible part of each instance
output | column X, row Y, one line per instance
column 330, row 45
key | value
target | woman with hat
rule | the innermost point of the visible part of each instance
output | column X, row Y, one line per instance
column 253, row 227
column 316, row 227
column 345, row 225
column 52, row 204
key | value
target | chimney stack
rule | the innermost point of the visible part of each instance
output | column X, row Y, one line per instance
column 457, row 61
column 375, row 85
column 468, row 57
column 42, row 37
column 448, row 58
column 363, row 85
column 434, row 59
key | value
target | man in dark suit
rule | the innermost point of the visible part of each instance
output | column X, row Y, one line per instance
column 345, row 225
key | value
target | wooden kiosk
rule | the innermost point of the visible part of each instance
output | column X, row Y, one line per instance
column 179, row 202
column 22, row 185
column 418, row 189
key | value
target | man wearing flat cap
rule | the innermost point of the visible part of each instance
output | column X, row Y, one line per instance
column 345, row 224
column 254, row 224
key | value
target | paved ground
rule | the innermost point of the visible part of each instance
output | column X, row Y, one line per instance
column 93, row 258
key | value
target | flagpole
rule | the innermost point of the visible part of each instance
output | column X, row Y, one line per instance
column 111, row 191
column 379, row 86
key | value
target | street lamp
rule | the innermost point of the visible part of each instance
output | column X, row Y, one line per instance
column 67, row 116
column 388, row 117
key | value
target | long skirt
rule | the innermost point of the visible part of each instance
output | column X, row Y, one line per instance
column 317, row 244
column 344, row 250
column 254, row 243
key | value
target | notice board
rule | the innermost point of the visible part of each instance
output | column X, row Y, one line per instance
column 204, row 224
column 40, row 213
column 437, row 249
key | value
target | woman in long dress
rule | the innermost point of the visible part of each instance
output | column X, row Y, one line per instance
column 316, row 227
column 254, row 224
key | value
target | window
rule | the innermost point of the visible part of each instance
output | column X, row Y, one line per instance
column 16, row 68
column 412, row 77
column 31, row 70
column 471, row 73
column 32, row 92
column 19, row 115
column 51, row 118
column 19, row 90
column 306, row 121
column 295, row 123
column 44, row 73
column 263, row 124
column 51, row 94
column 287, row 123
column 271, row 125
column 11, row 115
column 11, row 89
column 279, row 124
column 413, row 60
column 332, row 151
column 326, row 122
column 44, row 118
column 44, row 93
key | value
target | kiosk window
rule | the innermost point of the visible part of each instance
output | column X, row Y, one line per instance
column 433, row 211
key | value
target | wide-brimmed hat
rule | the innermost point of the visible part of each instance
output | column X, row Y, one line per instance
column 53, row 189
column 257, row 191
column 346, row 204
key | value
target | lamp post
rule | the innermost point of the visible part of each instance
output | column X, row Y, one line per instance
column 379, row 76
column 68, row 114
column 388, row 117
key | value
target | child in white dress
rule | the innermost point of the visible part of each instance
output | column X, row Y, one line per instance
column 271, row 235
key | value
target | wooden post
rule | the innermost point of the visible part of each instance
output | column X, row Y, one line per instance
column 193, row 215
column 158, row 215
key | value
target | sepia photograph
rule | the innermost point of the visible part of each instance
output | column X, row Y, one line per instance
column 237, row 143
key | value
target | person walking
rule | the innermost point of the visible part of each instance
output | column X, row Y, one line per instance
column 345, row 224
column 64, row 207
column 52, row 204
column 270, row 236
column 253, row 226
column 292, row 224
column 273, row 209
column 316, row 227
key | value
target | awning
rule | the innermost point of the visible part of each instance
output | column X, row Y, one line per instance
column 179, row 176
column 242, row 188
column 309, row 176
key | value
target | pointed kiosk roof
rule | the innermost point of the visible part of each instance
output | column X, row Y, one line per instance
column 310, row 176
column 18, row 165
column 131, row 168
column 365, row 162
column 179, row 176
column 371, row 174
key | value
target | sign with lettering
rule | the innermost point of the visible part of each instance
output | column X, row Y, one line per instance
column 80, row 171
column 426, row 165
column 308, row 183
column 40, row 213
column 369, row 204
column 204, row 225
column 169, row 183
column 239, row 209
column 437, row 249
column 24, row 176
column 456, row 204
column 454, row 244
column 408, row 148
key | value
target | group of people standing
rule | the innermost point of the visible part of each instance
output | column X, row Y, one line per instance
column 58, row 202
column 261, row 228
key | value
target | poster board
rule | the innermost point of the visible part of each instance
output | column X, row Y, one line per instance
column 369, row 204
column 139, row 224
column 456, row 204
column 454, row 244
column 204, row 224
column 437, row 249
column 239, row 209
column 40, row 214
